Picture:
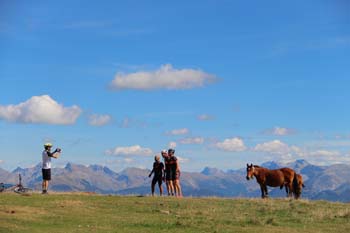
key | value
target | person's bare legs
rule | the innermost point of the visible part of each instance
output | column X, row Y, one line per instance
column 178, row 188
column 160, row 189
column 171, row 187
column 152, row 188
column 167, row 187
column 45, row 185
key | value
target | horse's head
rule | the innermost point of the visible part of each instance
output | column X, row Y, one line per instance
column 298, row 186
column 250, row 171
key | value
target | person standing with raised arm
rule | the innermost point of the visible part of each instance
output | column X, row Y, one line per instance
column 46, row 165
column 158, row 171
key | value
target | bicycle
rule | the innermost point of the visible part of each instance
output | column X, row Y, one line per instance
column 18, row 188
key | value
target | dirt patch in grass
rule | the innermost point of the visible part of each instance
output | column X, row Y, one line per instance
column 69, row 203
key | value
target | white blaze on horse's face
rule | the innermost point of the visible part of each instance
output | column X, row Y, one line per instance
column 250, row 171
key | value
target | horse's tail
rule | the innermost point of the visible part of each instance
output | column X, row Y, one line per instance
column 296, row 188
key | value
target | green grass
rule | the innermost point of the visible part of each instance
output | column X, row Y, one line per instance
column 94, row 213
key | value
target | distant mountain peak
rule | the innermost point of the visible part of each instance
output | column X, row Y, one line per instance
column 131, row 169
column 68, row 167
column 96, row 167
column 301, row 161
column 299, row 164
column 72, row 166
column 208, row 171
column 100, row 168
column 18, row 170
column 271, row 165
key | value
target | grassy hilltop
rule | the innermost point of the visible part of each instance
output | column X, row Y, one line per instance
column 95, row 213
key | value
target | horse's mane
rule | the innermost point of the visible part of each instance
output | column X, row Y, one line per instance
column 256, row 166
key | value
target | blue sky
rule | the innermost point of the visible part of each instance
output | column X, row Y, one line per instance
column 225, row 82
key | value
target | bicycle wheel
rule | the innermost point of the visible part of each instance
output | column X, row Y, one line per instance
column 21, row 190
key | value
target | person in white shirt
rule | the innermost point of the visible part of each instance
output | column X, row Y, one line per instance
column 46, row 165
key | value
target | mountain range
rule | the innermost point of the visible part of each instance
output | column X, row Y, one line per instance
column 322, row 182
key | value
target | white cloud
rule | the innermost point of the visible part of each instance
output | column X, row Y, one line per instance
column 323, row 153
column 130, row 150
column 192, row 140
column 40, row 110
column 172, row 145
column 273, row 147
column 280, row 151
column 99, row 120
column 205, row 117
column 279, row 131
column 326, row 157
column 166, row 77
column 128, row 160
column 329, row 143
column 231, row 144
column 182, row 131
column 1, row 161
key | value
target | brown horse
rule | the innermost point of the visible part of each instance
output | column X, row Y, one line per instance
column 266, row 177
column 298, row 186
column 289, row 179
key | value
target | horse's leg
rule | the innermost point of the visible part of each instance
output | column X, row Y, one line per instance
column 266, row 193
column 287, row 191
column 291, row 190
column 262, row 191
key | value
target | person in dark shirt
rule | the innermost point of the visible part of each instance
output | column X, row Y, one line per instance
column 168, row 180
column 158, row 171
column 175, row 172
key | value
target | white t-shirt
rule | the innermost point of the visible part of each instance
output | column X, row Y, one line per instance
column 46, row 160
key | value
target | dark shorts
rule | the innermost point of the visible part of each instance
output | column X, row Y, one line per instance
column 168, row 175
column 175, row 175
column 158, row 180
column 46, row 174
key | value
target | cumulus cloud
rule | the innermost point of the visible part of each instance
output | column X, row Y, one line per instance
column 166, row 77
column 40, row 110
column 128, row 160
column 323, row 153
column 273, row 147
column 182, row 131
column 281, row 151
column 130, row 150
column 326, row 157
column 205, row 117
column 99, row 120
column 192, row 140
column 279, row 131
column 235, row 144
